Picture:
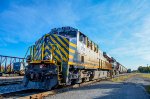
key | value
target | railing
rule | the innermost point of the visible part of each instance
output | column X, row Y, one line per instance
column 6, row 63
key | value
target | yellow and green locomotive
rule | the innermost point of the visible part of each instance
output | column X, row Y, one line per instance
column 64, row 56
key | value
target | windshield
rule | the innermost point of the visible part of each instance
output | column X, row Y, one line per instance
column 68, row 34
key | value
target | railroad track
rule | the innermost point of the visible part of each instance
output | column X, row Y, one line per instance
column 10, row 83
column 27, row 93
column 40, row 94
column 22, row 93
column 65, row 89
column 10, row 80
column 10, row 88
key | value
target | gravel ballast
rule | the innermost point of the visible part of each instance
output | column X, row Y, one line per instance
column 130, row 89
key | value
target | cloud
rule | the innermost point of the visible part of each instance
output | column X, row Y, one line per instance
column 10, row 40
column 2, row 43
column 27, row 23
column 121, row 28
column 137, row 47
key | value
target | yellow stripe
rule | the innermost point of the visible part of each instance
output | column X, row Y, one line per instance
column 72, row 44
column 39, row 61
column 46, row 35
column 86, row 65
column 61, row 42
column 64, row 58
column 57, row 58
column 38, row 45
column 71, row 63
column 66, row 40
column 47, row 48
column 61, row 48
column 91, row 66
column 46, row 54
column 37, row 57
column 42, row 54
column 70, row 57
column 71, row 50
column 36, row 61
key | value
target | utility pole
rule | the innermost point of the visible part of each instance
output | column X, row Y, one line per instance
column 147, row 68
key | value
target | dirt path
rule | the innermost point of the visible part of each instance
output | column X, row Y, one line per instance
column 130, row 89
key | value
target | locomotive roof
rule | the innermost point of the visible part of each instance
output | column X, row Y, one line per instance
column 67, row 28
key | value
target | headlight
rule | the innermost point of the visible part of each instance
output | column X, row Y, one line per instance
column 41, row 66
column 48, row 57
column 28, row 57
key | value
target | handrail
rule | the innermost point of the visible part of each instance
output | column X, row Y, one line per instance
column 10, row 56
column 27, row 52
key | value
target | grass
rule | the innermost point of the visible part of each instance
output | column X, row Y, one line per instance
column 145, row 75
column 123, row 78
column 148, row 88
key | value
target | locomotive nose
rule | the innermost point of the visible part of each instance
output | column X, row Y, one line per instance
column 34, row 76
column 41, row 76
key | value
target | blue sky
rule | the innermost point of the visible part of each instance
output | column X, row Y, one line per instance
column 120, row 27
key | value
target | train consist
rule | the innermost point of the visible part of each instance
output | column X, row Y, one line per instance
column 66, row 56
column 117, row 68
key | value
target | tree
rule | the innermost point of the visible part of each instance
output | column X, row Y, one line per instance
column 144, row 69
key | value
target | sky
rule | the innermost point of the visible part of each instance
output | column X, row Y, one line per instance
column 119, row 27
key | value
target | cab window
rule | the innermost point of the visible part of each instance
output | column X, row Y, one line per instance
column 91, row 45
column 62, row 33
column 95, row 48
column 82, row 38
column 71, row 34
column 82, row 59
column 88, row 42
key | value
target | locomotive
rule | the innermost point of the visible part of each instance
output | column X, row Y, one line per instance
column 65, row 56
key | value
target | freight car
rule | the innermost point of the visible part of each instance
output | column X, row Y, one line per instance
column 115, row 70
column 115, row 67
column 64, row 56
column 18, row 68
column 122, row 69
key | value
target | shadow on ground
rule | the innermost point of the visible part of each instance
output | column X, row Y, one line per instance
column 116, row 91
